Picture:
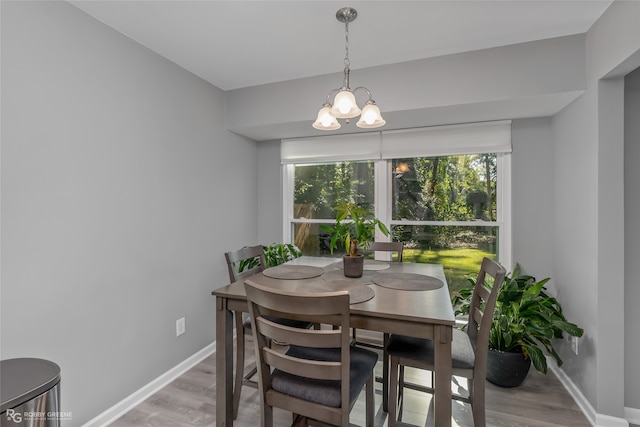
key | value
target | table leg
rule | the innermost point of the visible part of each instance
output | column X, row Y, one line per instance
column 385, row 373
column 224, row 364
column 442, row 365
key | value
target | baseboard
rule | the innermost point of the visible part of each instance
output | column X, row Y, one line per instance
column 596, row 419
column 632, row 415
column 125, row 405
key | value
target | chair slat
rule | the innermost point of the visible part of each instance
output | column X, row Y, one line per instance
column 324, row 338
column 302, row 367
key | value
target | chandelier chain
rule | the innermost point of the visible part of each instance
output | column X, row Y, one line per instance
column 347, row 63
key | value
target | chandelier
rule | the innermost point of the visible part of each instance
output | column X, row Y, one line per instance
column 344, row 104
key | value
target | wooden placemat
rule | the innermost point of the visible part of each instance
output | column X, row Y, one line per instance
column 366, row 279
column 407, row 281
column 357, row 291
column 292, row 272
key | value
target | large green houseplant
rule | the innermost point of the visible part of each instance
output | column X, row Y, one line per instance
column 354, row 227
column 526, row 320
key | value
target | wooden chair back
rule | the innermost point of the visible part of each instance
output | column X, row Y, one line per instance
column 389, row 247
column 483, row 302
column 234, row 258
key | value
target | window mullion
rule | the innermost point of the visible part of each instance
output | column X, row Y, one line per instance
column 288, row 172
column 382, row 196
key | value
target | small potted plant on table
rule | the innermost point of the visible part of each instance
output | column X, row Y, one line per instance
column 354, row 227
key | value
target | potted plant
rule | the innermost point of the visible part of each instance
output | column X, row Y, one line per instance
column 354, row 227
column 525, row 322
column 274, row 255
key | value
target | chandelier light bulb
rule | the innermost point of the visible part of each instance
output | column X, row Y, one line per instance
column 369, row 116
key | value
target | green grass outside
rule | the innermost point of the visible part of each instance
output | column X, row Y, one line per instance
column 459, row 264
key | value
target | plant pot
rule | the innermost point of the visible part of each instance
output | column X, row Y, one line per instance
column 507, row 369
column 353, row 266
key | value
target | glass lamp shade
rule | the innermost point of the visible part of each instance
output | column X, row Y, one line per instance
column 344, row 105
column 371, row 117
column 325, row 120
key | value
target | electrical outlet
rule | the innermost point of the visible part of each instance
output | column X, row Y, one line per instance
column 574, row 344
column 180, row 326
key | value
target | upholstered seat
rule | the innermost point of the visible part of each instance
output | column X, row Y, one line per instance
column 462, row 353
column 325, row 392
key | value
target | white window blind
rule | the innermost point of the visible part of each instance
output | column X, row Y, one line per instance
column 486, row 137
column 361, row 146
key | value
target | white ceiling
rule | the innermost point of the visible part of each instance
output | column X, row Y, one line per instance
column 235, row 44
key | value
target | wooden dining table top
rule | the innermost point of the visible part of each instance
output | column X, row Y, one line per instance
column 429, row 306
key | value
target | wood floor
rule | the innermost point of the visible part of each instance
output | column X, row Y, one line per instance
column 189, row 401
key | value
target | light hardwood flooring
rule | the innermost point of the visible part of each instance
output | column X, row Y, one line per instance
column 189, row 401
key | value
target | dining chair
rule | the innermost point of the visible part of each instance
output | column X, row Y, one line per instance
column 321, row 375
column 241, row 264
column 247, row 255
column 468, row 349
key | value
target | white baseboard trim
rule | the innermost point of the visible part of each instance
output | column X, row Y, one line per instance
column 128, row 403
column 609, row 421
column 596, row 419
column 632, row 415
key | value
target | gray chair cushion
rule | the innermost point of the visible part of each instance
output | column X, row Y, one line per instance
column 325, row 392
column 462, row 353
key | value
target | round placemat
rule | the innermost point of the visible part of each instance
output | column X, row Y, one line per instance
column 366, row 278
column 407, row 281
column 292, row 272
column 357, row 291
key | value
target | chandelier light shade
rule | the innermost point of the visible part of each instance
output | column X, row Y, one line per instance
column 325, row 120
column 344, row 104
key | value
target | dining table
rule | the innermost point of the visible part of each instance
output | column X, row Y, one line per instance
column 391, row 297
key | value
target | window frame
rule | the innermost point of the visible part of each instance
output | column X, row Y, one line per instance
column 383, row 208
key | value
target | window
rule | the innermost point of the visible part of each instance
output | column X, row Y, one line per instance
column 317, row 189
column 450, row 207
column 444, row 209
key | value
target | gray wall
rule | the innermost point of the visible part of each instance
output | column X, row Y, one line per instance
column 269, row 193
column 632, row 238
column 509, row 82
column 532, row 195
column 120, row 192
column 575, row 235
column 588, row 210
